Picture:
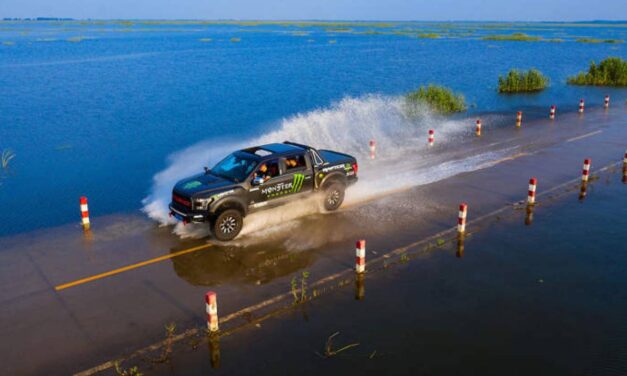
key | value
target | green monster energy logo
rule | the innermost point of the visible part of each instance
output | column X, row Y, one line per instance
column 297, row 183
column 192, row 184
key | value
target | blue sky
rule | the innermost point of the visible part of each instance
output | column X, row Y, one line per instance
column 532, row 10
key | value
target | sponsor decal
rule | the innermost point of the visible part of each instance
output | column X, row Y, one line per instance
column 192, row 184
column 333, row 168
column 348, row 167
column 281, row 189
column 220, row 195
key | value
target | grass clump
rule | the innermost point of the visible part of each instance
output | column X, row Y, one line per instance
column 236, row 40
column 205, row 40
column 594, row 40
column 522, row 82
column 439, row 98
column 428, row 35
column 5, row 159
column 610, row 72
column 520, row 37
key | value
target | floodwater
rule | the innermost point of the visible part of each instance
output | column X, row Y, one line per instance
column 95, row 108
column 545, row 296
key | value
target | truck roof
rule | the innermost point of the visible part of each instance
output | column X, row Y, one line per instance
column 269, row 149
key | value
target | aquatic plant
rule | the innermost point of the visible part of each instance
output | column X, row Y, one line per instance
column 522, row 82
column 428, row 35
column 328, row 347
column 332, row 41
column 610, row 72
column 439, row 98
column 205, row 40
column 8, row 43
column 520, row 37
column 6, row 157
column 594, row 40
column 235, row 40
column 133, row 371
column 303, row 288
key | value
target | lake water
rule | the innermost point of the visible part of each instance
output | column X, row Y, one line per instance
column 96, row 108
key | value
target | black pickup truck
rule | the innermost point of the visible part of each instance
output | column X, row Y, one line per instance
column 261, row 177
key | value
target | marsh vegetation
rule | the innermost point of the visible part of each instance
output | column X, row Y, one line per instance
column 438, row 98
column 610, row 72
column 517, row 81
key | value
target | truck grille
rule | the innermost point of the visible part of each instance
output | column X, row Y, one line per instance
column 181, row 200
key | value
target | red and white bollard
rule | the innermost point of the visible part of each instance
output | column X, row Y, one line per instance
column 625, row 158
column 431, row 137
column 84, row 213
column 211, row 300
column 360, row 256
column 581, row 106
column 552, row 113
column 373, row 146
column 519, row 119
column 586, row 170
column 606, row 103
column 478, row 128
column 461, row 218
column 531, row 195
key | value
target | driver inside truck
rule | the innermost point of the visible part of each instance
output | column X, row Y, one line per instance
column 266, row 172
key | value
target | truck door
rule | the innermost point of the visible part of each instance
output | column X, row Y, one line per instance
column 297, row 170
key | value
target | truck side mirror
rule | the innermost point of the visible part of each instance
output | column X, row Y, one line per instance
column 207, row 170
column 256, row 181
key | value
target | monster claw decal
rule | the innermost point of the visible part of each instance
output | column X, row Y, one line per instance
column 297, row 184
column 192, row 184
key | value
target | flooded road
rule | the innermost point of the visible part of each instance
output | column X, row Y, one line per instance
column 111, row 316
column 546, row 298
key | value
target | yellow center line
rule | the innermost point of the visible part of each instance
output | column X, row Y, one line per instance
column 130, row 267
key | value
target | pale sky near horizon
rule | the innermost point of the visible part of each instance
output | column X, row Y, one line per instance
column 471, row 10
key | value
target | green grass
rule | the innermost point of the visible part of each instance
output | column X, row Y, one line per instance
column 593, row 40
column 8, row 43
column 520, row 37
column 428, row 35
column 522, row 82
column 205, row 40
column 5, row 159
column 332, row 41
column 610, row 72
column 438, row 98
column 236, row 40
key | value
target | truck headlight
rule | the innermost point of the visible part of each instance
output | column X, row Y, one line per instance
column 202, row 203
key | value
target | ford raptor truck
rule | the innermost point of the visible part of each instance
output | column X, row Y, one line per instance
column 261, row 177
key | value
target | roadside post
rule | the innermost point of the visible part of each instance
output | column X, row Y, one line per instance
column 518, row 119
column 360, row 256
column 478, row 128
column 461, row 218
column 586, row 170
column 373, row 146
column 552, row 113
column 84, row 213
column 431, row 137
column 606, row 103
column 581, row 106
column 211, row 301
column 531, row 194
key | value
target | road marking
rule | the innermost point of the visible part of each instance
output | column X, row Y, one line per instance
column 584, row 136
column 130, row 267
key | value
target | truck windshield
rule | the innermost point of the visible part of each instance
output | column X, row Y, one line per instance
column 234, row 167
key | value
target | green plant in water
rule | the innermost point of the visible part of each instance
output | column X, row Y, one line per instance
column 235, row 40
column 205, row 40
column 594, row 40
column 133, row 371
column 303, row 286
column 518, row 37
column 439, row 98
column 610, row 72
column 522, row 82
column 294, row 287
column 404, row 258
column 441, row 242
column 7, row 156
column 328, row 348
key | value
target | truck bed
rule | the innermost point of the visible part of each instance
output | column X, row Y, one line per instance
column 334, row 157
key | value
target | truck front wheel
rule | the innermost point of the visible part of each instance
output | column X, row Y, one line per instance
column 333, row 196
column 227, row 225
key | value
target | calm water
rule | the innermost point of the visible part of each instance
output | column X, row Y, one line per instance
column 542, row 299
column 94, row 109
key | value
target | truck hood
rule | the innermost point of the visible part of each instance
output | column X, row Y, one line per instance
column 201, row 183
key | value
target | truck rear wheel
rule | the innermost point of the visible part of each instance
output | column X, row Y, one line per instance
column 333, row 196
column 227, row 225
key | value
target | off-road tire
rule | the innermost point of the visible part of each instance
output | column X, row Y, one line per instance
column 227, row 224
column 333, row 196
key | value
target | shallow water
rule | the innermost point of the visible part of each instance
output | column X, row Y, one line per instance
column 544, row 297
column 95, row 108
